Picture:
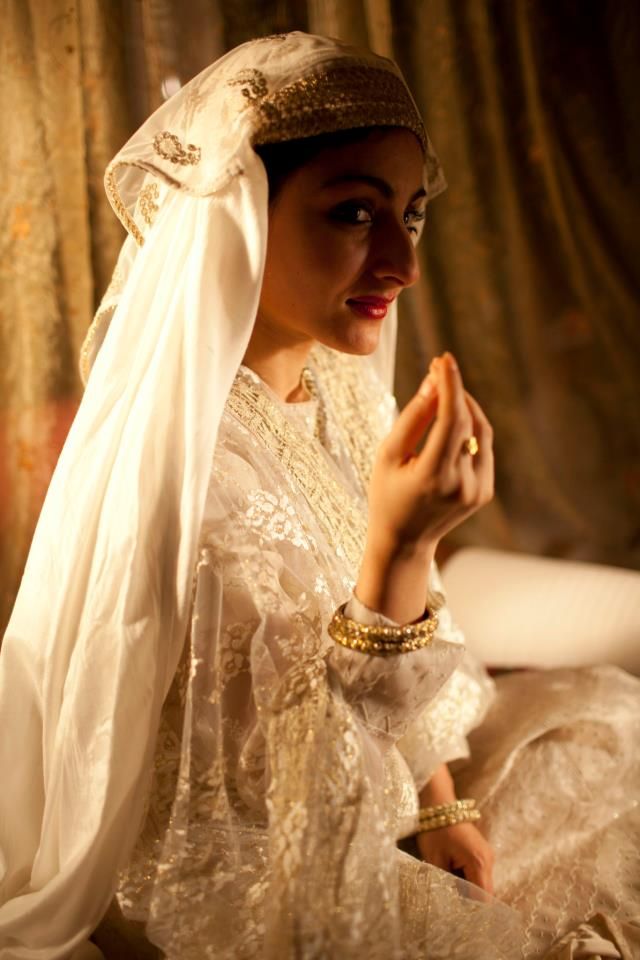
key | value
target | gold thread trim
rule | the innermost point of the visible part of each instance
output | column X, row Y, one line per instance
column 341, row 521
column 349, row 383
column 87, row 348
column 107, row 306
column 116, row 202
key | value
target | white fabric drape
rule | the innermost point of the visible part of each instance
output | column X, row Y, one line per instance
column 100, row 620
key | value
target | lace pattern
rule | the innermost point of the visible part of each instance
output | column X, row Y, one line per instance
column 555, row 765
column 283, row 754
column 277, row 749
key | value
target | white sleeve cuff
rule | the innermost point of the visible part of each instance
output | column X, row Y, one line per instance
column 356, row 610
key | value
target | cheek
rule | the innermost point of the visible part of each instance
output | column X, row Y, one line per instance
column 317, row 262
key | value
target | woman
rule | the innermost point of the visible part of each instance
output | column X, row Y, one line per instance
column 228, row 741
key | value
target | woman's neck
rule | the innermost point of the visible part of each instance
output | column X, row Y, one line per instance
column 279, row 364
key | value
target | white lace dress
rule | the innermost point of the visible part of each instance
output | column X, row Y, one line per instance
column 287, row 767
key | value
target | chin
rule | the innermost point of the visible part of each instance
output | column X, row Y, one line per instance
column 360, row 343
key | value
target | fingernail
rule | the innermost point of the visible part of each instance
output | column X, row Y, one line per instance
column 452, row 361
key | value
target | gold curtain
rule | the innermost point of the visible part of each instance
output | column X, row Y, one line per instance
column 529, row 260
column 64, row 112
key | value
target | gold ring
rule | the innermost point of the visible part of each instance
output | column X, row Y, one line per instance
column 471, row 446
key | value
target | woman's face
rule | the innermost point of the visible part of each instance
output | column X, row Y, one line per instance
column 342, row 234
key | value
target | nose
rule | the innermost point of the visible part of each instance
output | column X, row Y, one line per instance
column 395, row 255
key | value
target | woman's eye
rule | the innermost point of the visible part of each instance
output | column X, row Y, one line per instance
column 352, row 212
column 413, row 220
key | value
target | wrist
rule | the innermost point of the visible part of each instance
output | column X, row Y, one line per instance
column 439, row 789
column 387, row 551
column 394, row 580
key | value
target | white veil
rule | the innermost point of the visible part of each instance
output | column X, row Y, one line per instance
column 102, row 612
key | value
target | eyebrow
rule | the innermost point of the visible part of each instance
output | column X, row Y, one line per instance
column 385, row 188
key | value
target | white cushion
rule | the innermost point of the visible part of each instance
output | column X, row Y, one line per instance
column 519, row 610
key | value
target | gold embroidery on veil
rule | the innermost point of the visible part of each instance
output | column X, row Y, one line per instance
column 169, row 147
column 147, row 202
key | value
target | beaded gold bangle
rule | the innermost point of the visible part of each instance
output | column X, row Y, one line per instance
column 382, row 641
column 447, row 815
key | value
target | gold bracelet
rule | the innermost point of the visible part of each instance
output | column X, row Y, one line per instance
column 382, row 641
column 427, row 812
column 447, row 815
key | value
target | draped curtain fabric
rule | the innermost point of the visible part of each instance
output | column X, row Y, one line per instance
column 528, row 261
column 64, row 113
column 531, row 260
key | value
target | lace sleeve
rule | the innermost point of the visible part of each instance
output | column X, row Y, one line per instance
column 390, row 693
column 438, row 733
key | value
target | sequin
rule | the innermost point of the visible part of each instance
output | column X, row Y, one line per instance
column 146, row 201
column 252, row 83
column 169, row 147
column 339, row 97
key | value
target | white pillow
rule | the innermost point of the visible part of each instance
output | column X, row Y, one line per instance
column 518, row 610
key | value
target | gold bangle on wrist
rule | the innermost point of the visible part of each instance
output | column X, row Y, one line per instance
column 382, row 641
column 447, row 815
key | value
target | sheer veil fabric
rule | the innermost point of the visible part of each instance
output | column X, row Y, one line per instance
column 105, row 604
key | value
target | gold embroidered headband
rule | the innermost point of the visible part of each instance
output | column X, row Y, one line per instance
column 339, row 96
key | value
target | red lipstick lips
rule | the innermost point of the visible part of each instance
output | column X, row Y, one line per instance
column 373, row 308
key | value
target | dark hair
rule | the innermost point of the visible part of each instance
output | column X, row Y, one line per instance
column 284, row 158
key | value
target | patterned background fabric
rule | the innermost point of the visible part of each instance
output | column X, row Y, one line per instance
column 529, row 260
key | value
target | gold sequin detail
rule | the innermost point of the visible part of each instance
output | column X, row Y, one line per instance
column 168, row 146
column 146, row 201
column 343, row 524
column 252, row 83
column 339, row 97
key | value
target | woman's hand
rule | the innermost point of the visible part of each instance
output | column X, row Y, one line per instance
column 461, row 848
column 418, row 497
column 415, row 498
